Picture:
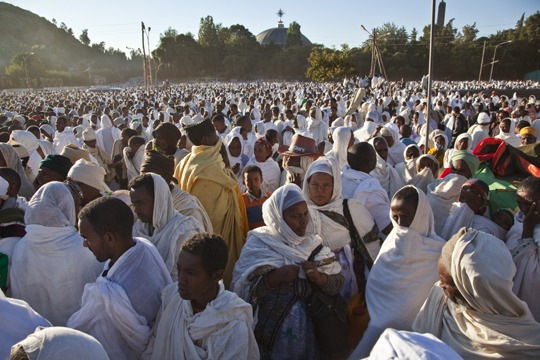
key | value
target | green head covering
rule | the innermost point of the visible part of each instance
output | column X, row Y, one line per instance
column 472, row 161
column 57, row 163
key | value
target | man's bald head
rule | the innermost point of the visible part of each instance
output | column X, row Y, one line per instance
column 362, row 157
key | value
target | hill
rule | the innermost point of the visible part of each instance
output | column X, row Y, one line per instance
column 59, row 51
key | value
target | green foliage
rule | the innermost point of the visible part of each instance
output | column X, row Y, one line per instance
column 85, row 40
column 294, row 35
column 330, row 64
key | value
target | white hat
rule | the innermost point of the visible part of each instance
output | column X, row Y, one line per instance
column 90, row 174
column 89, row 134
column 483, row 119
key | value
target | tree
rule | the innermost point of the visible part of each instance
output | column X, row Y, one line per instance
column 469, row 33
column 413, row 36
column 63, row 26
column 25, row 67
column 85, row 40
column 170, row 32
column 209, row 32
column 294, row 36
column 330, row 64
column 99, row 46
column 70, row 32
column 54, row 21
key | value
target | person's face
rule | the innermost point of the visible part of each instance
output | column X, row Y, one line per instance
column 527, row 139
column 89, row 193
column 60, row 125
column 162, row 143
column 440, row 140
column 143, row 204
column 321, row 187
column 427, row 162
column 502, row 219
column 525, row 199
column 219, row 126
column 46, row 175
column 194, row 282
column 235, row 148
column 472, row 198
column 460, row 167
column 93, row 241
column 291, row 161
column 382, row 149
column 90, row 143
column 504, row 126
column 447, row 283
column 412, row 153
column 253, row 181
column 297, row 218
column 260, row 152
column 402, row 212
column 462, row 144
column 389, row 140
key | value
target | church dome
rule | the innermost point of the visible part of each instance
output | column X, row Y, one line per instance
column 278, row 35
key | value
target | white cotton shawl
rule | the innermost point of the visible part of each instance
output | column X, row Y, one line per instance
column 386, row 174
column 425, row 176
column 441, row 195
column 115, row 310
column 363, row 133
column 133, row 166
column 402, row 275
column 30, row 142
column 271, row 173
column 277, row 245
column 18, row 321
column 396, row 152
column 461, row 215
column 13, row 161
column 64, row 138
column 510, row 137
column 493, row 322
column 221, row 331
column 54, row 343
column 169, row 228
column 228, row 140
column 450, row 152
column 188, row 205
column 407, row 169
column 50, row 266
column 342, row 136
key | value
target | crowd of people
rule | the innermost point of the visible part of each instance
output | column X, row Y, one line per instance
column 268, row 220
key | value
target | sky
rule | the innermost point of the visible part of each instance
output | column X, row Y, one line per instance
column 331, row 23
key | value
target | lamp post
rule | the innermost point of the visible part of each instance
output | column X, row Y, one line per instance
column 149, row 55
column 494, row 54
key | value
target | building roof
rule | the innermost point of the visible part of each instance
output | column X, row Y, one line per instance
column 278, row 36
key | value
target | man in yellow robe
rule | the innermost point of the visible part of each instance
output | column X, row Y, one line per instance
column 204, row 174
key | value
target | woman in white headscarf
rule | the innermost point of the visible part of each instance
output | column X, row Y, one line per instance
column 60, row 343
column 351, row 121
column 463, row 142
column 273, row 263
column 508, row 132
column 323, row 193
column 50, row 266
column 107, row 135
column 234, row 144
column 316, row 127
column 395, row 147
column 405, row 269
column 472, row 308
column 386, row 174
column 407, row 169
column 9, row 158
column 31, row 143
column 427, row 171
column 343, row 139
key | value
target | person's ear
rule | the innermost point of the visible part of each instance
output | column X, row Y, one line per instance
column 218, row 275
column 109, row 238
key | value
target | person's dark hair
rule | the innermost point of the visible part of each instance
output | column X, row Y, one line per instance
column 522, row 123
column 137, row 140
column 530, row 185
column 128, row 132
column 218, row 117
column 357, row 155
column 271, row 134
column 108, row 214
column 143, row 180
column 251, row 169
column 4, row 137
column 408, row 194
column 211, row 248
column 11, row 176
column 34, row 130
column 242, row 120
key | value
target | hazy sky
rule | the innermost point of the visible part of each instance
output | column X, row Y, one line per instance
column 332, row 23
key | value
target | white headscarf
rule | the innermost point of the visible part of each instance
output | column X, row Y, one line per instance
column 450, row 152
column 409, row 255
column 276, row 244
column 228, row 140
column 492, row 322
column 385, row 173
column 407, row 169
column 90, row 174
column 342, row 136
column 425, row 176
column 13, row 161
column 61, row 343
column 52, row 206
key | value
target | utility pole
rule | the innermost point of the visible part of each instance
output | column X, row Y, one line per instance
column 482, row 62
column 144, row 56
column 494, row 55
column 149, row 56
column 430, row 72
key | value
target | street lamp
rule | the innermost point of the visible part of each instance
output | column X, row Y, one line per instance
column 494, row 54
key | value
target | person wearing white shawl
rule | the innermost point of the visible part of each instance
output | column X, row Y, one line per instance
column 90, row 178
column 370, row 125
column 384, row 172
column 134, row 156
column 63, row 135
column 480, row 130
column 508, row 132
column 96, row 152
column 50, row 266
column 35, row 150
column 407, row 169
column 350, row 121
column 405, row 345
column 427, row 170
column 405, row 270
column 18, row 321
column 395, row 147
column 157, row 220
column 120, row 307
column 343, row 139
column 323, row 193
column 272, row 264
column 263, row 159
column 234, row 144
column 523, row 240
column 107, row 135
column 198, row 318
column 53, row 343
column 10, row 159
column 472, row 308
column 463, row 142
column 316, row 127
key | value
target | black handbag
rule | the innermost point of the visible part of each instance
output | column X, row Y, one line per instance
column 329, row 316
